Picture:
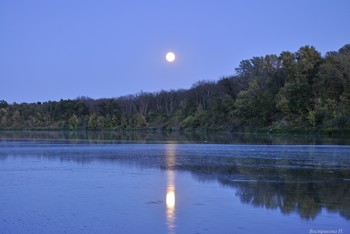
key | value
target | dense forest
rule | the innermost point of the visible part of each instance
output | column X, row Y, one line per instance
column 301, row 91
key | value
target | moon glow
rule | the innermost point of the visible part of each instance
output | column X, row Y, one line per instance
column 170, row 57
column 170, row 199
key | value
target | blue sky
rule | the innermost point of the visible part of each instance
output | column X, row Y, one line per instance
column 53, row 49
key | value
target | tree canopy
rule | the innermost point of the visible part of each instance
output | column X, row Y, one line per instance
column 292, row 91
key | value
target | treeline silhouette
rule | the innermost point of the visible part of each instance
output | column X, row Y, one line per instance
column 300, row 91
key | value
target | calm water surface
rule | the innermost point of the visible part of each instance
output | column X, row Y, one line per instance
column 54, row 183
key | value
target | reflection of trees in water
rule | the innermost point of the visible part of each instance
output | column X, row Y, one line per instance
column 302, row 191
column 304, row 185
column 305, row 192
column 306, row 199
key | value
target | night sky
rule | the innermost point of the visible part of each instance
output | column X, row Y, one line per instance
column 63, row 49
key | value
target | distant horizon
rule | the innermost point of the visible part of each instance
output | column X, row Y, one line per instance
column 63, row 50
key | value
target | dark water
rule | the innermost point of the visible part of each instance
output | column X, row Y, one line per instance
column 154, row 183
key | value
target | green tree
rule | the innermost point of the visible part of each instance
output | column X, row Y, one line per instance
column 92, row 123
column 295, row 98
column 73, row 122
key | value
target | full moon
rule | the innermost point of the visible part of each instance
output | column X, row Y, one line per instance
column 170, row 57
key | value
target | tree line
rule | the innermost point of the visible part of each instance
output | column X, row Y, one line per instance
column 300, row 91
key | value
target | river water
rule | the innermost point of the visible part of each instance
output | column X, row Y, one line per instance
column 112, row 183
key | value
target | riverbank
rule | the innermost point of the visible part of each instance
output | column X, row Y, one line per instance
column 151, row 136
